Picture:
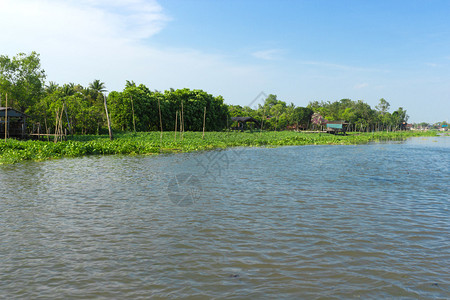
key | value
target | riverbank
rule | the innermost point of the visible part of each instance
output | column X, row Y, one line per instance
column 149, row 143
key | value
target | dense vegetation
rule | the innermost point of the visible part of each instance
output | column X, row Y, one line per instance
column 81, row 111
column 137, row 108
column 12, row 151
column 176, row 106
column 361, row 116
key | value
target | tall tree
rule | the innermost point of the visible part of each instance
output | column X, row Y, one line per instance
column 302, row 116
column 51, row 87
column 383, row 106
column 97, row 88
column 22, row 78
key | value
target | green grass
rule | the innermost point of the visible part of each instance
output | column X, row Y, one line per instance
column 146, row 143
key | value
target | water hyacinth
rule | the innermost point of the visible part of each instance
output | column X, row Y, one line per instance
column 148, row 143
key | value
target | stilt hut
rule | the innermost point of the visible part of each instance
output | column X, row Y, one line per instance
column 335, row 127
column 242, row 122
column 16, row 122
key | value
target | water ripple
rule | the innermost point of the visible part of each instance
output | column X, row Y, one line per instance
column 337, row 222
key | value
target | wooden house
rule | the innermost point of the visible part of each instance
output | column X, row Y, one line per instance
column 242, row 122
column 335, row 127
column 16, row 122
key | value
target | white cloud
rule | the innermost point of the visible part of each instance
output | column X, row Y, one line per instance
column 361, row 86
column 335, row 66
column 271, row 54
column 83, row 40
column 73, row 23
column 137, row 18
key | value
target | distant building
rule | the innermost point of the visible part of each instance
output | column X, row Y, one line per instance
column 16, row 122
column 339, row 126
column 242, row 122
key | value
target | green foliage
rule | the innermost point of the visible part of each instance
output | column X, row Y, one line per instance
column 82, row 110
column 360, row 115
column 145, row 104
column 22, row 79
column 147, row 143
column 137, row 108
column 302, row 115
column 383, row 106
column 274, row 114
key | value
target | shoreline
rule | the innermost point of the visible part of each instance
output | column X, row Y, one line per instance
column 150, row 143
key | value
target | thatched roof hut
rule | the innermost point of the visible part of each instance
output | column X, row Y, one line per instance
column 16, row 122
column 243, row 121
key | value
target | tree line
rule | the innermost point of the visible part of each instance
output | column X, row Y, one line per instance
column 81, row 109
column 360, row 116
column 137, row 108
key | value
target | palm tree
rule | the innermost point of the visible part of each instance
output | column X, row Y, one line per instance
column 51, row 87
column 130, row 84
column 97, row 86
column 68, row 89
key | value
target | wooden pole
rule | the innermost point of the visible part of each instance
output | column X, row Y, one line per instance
column 107, row 118
column 132, row 108
column 176, row 119
column 67, row 118
column 160, row 121
column 179, row 115
column 204, row 120
column 6, row 118
column 182, row 120
column 56, row 127
column 262, row 120
column 61, row 132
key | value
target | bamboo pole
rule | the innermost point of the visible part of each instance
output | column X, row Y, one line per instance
column 6, row 118
column 182, row 120
column 160, row 121
column 61, row 133
column 67, row 117
column 262, row 121
column 107, row 118
column 204, row 121
column 132, row 108
column 56, row 127
column 179, row 115
column 176, row 119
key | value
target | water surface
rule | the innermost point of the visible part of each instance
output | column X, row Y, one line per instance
column 369, row 221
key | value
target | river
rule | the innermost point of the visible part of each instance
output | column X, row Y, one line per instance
column 335, row 222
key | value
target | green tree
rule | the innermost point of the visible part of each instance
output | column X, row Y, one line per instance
column 97, row 86
column 277, row 111
column 383, row 106
column 399, row 118
column 51, row 87
column 302, row 116
column 22, row 78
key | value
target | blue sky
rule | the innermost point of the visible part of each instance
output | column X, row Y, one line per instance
column 299, row 50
